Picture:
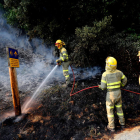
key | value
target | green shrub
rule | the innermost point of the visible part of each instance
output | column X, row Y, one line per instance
column 88, row 42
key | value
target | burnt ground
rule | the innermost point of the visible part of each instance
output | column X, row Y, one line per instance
column 61, row 117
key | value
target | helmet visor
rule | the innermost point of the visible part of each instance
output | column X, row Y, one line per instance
column 57, row 44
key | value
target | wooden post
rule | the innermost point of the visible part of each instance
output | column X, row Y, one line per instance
column 139, row 61
column 15, row 92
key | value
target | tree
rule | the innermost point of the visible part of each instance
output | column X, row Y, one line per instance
column 54, row 19
column 51, row 20
column 86, row 49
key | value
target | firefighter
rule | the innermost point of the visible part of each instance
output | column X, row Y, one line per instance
column 113, row 80
column 64, row 60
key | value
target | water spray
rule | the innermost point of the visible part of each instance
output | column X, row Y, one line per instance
column 35, row 93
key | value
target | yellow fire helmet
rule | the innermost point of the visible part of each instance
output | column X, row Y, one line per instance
column 111, row 62
column 59, row 44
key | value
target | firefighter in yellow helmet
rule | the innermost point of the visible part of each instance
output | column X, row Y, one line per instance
column 113, row 80
column 64, row 60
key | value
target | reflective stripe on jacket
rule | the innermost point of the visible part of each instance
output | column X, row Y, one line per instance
column 63, row 55
column 113, row 80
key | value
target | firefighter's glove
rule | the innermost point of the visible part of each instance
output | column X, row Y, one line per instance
column 58, row 62
column 122, row 85
column 100, row 87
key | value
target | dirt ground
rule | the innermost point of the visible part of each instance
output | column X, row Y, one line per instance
column 57, row 116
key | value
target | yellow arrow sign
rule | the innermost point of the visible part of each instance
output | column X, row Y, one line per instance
column 15, row 53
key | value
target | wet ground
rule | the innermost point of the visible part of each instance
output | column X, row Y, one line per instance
column 57, row 116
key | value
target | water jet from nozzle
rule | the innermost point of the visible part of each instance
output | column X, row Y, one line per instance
column 36, row 92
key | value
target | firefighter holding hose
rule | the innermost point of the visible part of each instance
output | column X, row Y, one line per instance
column 64, row 61
column 113, row 80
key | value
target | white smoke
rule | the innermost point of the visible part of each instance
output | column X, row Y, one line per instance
column 4, row 75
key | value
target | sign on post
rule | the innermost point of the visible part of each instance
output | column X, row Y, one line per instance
column 12, row 55
column 13, row 62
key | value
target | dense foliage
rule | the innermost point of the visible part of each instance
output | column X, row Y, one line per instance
column 51, row 20
column 88, row 42
column 93, row 44
column 91, row 29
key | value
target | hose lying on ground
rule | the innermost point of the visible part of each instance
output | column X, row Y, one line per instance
column 91, row 87
column 83, row 90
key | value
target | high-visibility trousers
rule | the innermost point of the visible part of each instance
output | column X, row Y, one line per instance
column 112, row 102
column 65, row 66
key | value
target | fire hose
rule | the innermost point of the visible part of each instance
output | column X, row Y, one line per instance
column 91, row 87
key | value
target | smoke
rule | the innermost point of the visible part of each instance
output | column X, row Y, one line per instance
column 4, row 75
column 36, row 61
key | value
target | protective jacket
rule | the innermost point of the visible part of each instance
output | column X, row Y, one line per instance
column 65, row 64
column 113, row 80
column 63, row 55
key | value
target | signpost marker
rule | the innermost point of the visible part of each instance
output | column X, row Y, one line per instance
column 139, row 61
column 13, row 62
